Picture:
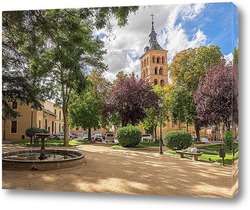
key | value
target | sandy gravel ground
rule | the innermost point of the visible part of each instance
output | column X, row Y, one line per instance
column 140, row 171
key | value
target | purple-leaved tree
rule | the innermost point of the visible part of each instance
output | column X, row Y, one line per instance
column 128, row 100
column 216, row 98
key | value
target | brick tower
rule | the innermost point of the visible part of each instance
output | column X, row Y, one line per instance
column 154, row 61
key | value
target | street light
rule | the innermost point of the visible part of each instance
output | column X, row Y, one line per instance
column 31, row 124
column 160, row 104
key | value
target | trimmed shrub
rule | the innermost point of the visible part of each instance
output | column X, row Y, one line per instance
column 177, row 139
column 129, row 136
column 229, row 139
column 31, row 131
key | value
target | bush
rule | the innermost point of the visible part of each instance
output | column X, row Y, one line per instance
column 229, row 139
column 177, row 139
column 129, row 136
column 31, row 131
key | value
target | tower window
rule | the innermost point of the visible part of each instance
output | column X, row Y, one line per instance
column 146, row 71
column 162, row 82
column 160, row 71
column 158, row 60
column 153, row 59
column 144, row 62
column 147, row 60
column 156, row 70
column 155, row 81
column 162, row 59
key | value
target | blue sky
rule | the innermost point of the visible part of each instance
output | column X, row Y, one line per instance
column 178, row 27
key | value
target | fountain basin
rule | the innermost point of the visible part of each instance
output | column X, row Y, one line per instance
column 55, row 159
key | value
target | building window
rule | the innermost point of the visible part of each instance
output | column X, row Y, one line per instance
column 60, row 115
column 162, row 59
column 162, row 82
column 147, row 60
column 46, row 124
column 153, row 59
column 144, row 62
column 160, row 71
column 55, row 111
column 13, row 126
column 146, row 71
column 55, row 127
column 155, row 82
column 77, row 129
column 14, row 105
column 52, row 128
column 156, row 70
column 59, row 127
column 158, row 60
column 39, row 124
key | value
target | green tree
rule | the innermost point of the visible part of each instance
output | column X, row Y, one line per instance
column 86, row 109
column 186, row 69
column 17, row 83
column 60, row 47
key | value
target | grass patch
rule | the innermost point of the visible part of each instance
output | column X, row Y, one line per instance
column 216, row 147
column 117, row 147
column 53, row 143
column 149, row 144
column 211, row 157
column 229, row 159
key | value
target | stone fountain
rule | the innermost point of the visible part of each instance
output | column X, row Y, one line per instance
column 42, row 159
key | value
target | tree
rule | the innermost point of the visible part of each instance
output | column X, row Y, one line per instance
column 185, row 70
column 86, row 108
column 17, row 83
column 60, row 48
column 215, row 96
column 129, row 98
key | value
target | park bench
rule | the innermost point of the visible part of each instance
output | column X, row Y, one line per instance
column 184, row 152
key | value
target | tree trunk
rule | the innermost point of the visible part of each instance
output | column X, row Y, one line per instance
column 66, row 126
column 197, row 132
column 89, row 133
column 155, row 132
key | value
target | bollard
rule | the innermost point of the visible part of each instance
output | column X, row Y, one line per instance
column 222, row 154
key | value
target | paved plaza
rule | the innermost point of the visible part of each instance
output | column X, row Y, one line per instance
column 129, row 171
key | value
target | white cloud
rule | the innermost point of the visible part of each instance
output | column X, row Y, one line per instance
column 229, row 58
column 124, row 51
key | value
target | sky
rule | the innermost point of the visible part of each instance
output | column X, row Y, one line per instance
column 179, row 27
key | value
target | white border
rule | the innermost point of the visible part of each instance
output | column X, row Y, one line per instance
column 14, row 199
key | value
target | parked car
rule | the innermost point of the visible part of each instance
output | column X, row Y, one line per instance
column 61, row 136
column 53, row 137
column 73, row 135
column 146, row 137
column 85, row 137
column 97, row 137
column 204, row 140
column 110, row 137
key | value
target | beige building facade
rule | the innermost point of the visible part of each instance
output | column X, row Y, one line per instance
column 49, row 118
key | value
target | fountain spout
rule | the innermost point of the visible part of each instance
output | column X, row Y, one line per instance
column 42, row 136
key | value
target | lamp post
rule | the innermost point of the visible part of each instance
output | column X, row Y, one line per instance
column 160, row 104
column 31, row 124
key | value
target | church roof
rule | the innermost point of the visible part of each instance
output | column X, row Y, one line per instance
column 153, row 44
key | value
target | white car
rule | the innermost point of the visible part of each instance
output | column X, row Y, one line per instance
column 110, row 137
column 146, row 137
column 204, row 140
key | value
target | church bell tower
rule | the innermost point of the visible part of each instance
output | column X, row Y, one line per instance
column 154, row 61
